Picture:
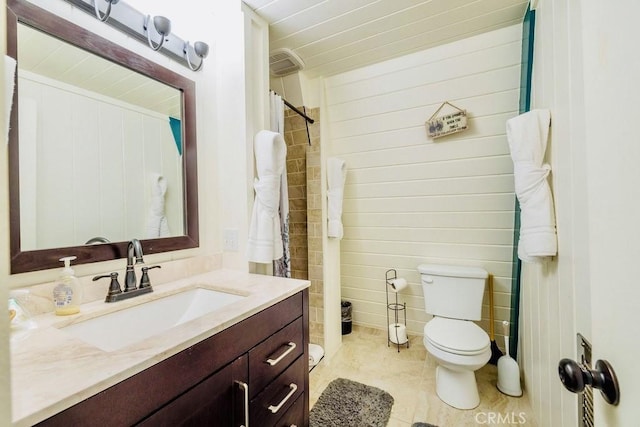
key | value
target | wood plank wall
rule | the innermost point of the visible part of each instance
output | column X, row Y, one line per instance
column 554, row 294
column 412, row 200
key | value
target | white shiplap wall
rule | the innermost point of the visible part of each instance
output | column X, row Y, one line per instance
column 409, row 199
column 553, row 294
column 100, row 156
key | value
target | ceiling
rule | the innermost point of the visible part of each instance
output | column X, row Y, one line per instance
column 333, row 36
column 44, row 55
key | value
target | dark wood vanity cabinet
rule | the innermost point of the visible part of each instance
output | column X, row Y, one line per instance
column 257, row 368
column 215, row 401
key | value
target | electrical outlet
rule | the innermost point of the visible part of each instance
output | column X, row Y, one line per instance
column 230, row 240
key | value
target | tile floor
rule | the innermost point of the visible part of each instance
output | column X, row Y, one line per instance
column 409, row 376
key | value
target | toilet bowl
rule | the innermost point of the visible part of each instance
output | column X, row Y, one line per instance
column 459, row 347
column 453, row 295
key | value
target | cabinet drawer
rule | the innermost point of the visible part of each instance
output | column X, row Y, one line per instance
column 215, row 401
column 272, row 356
column 276, row 399
column 294, row 417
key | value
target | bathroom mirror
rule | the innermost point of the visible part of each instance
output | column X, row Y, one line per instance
column 102, row 147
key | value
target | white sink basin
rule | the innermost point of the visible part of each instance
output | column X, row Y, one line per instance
column 117, row 330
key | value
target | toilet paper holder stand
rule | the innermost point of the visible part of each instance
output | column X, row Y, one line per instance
column 396, row 332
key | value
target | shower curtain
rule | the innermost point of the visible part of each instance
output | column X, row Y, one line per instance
column 282, row 266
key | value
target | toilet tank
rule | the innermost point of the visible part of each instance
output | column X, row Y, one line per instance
column 453, row 291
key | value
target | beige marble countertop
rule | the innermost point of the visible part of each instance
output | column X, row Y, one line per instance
column 51, row 370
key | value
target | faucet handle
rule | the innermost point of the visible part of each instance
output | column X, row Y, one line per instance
column 145, row 282
column 114, row 287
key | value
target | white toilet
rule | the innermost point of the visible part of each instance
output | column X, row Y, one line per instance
column 453, row 295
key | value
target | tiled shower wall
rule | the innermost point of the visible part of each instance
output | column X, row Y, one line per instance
column 314, row 228
column 305, row 227
column 296, row 138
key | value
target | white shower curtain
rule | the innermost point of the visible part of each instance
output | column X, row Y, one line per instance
column 282, row 266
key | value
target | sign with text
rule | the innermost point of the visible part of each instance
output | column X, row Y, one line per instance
column 447, row 124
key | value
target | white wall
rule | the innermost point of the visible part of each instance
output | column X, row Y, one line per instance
column 552, row 293
column 206, row 131
column 289, row 87
column 256, row 78
column 222, row 125
column 5, row 369
column 412, row 200
column 611, row 67
column 585, row 70
column 241, row 104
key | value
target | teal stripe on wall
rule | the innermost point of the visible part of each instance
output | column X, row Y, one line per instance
column 526, row 70
column 176, row 130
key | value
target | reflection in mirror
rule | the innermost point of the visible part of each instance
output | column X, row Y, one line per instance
column 101, row 147
column 97, row 153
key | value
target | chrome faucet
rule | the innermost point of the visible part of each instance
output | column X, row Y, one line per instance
column 134, row 248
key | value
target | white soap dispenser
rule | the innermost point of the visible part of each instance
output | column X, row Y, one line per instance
column 67, row 294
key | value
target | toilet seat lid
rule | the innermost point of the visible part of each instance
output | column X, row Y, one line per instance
column 456, row 336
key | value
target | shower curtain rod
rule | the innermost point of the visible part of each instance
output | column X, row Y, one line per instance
column 295, row 110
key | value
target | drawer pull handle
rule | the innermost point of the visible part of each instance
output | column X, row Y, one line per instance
column 275, row 409
column 245, row 389
column 273, row 362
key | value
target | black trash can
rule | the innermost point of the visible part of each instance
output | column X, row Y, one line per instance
column 346, row 317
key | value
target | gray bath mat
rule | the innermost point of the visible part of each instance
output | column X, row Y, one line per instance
column 422, row 425
column 346, row 403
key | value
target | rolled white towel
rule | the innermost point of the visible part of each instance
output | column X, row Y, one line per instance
column 316, row 353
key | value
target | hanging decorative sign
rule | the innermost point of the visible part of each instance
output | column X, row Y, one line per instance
column 447, row 124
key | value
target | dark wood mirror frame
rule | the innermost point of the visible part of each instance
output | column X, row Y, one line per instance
column 24, row 261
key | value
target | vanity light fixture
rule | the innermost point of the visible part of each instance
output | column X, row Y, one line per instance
column 162, row 26
column 201, row 50
column 146, row 29
column 107, row 13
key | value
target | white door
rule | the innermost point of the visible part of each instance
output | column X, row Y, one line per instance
column 612, row 101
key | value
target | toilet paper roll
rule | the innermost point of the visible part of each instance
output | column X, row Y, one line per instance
column 397, row 284
column 398, row 333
